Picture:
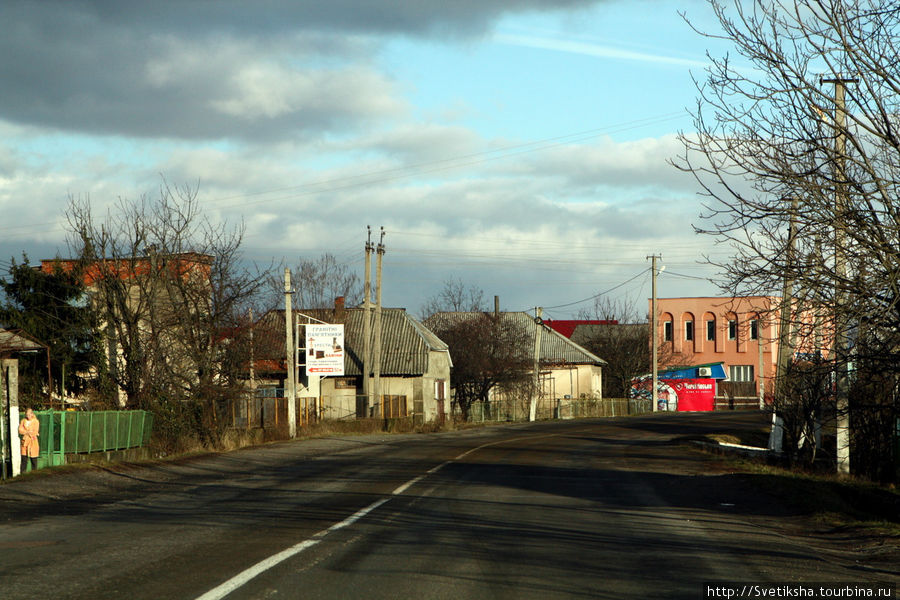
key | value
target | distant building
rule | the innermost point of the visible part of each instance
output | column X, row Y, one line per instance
column 742, row 333
column 415, row 364
column 567, row 370
column 142, row 306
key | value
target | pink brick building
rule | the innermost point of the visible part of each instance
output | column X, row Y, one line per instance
column 731, row 330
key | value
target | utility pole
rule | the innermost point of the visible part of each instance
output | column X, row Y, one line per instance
column 377, row 379
column 654, row 334
column 367, row 323
column 538, row 329
column 252, row 357
column 841, row 351
column 785, row 333
column 291, row 382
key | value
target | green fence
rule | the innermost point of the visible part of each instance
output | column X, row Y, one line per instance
column 66, row 432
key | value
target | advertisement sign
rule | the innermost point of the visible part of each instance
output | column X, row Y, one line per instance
column 325, row 349
column 691, row 394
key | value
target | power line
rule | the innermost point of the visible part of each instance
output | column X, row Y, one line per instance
column 641, row 272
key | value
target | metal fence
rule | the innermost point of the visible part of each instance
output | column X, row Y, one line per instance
column 69, row 432
column 559, row 408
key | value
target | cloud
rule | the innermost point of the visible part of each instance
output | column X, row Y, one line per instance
column 595, row 49
column 204, row 70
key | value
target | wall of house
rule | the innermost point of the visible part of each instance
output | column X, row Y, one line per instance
column 572, row 380
column 438, row 370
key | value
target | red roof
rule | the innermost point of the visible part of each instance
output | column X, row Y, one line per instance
column 567, row 327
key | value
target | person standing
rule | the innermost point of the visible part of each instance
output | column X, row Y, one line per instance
column 29, row 429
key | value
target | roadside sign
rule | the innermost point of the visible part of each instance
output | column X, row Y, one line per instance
column 325, row 349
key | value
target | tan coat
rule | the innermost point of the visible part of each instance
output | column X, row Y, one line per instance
column 30, row 430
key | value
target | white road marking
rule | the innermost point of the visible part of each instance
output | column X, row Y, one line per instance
column 222, row 590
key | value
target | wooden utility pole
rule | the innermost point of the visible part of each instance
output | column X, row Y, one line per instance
column 538, row 330
column 654, row 334
column 377, row 378
column 367, row 323
column 290, row 390
column 841, row 350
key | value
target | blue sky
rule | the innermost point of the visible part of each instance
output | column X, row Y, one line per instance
column 517, row 145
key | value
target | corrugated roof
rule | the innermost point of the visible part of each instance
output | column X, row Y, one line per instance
column 556, row 349
column 405, row 341
column 15, row 340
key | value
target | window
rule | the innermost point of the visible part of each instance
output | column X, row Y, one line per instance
column 344, row 383
column 710, row 331
column 439, row 389
column 754, row 329
column 689, row 330
column 667, row 331
column 740, row 372
column 732, row 329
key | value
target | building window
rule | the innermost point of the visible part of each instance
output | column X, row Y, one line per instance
column 440, row 388
column 344, row 383
column 689, row 330
column 667, row 331
column 740, row 372
column 710, row 331
column 754, row 329
column 732, row 329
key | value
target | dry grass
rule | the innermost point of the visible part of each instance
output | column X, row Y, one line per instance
column 833, row 500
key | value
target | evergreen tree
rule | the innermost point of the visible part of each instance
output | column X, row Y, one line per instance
column 52, row 308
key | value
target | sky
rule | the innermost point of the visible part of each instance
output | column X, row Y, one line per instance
column 519, row 146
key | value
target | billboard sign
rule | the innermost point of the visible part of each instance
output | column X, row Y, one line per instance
column 324, row 349
column 691, row 394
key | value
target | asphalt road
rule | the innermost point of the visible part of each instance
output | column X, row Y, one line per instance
column 593, row 509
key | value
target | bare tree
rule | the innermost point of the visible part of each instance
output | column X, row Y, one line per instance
column 800, row 125
column 623, row 341
column 489, row 352
column 317, row 282
column 455, row 296
column 170, row 288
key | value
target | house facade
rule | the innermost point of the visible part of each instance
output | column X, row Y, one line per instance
column 567, row 370
column 742, row 333
column 415, row 365
column 735, row 331
column 154, row 315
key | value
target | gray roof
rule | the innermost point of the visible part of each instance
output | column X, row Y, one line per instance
column 585, row 333
column 556, row 349
column 406, row 342
column 15, row 340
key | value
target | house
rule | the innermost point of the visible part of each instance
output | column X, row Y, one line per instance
column 742, row 333
column 567, row 370
column 415, row 364
column 583, row 327
column 154, row 316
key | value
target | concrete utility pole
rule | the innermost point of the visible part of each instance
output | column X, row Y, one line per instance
column 841, row 350
column 538, row 330
column 10, row 395
column 367, row 323
column 760, row 381
column 785, row 332
column 377, row 379
column 291, row 382
column 252, row 357
column 654, row 333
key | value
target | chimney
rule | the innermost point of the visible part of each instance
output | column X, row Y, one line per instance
column 339, row 309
